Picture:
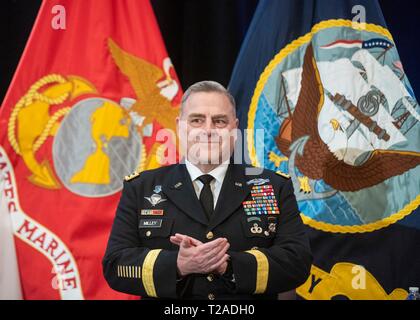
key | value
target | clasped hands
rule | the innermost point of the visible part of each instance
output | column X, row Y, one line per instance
column 197, row 257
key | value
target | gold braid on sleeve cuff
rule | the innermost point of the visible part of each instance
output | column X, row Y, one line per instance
column 147, row 272
column 262, row 270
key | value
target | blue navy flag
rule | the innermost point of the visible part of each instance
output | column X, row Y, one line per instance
column 324, row 83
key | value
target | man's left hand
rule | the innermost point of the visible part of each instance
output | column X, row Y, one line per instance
column 177, row 239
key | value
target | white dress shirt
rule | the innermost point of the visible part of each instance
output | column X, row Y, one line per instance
column 217, row 173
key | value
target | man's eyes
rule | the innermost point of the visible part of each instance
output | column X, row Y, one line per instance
column 217, row 122
column 220, row 122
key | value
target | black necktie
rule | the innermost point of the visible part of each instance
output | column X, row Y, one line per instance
column 206, row 196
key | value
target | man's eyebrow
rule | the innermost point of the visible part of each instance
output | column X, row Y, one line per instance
column 217, row 116
column 196, row 115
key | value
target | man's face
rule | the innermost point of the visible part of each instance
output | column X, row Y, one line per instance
column 206, row 128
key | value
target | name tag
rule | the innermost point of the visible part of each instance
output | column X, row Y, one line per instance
column 151, row 212
column 150, row 223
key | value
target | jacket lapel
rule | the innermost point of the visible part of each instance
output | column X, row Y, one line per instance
column 233, row 193
column 179, row 189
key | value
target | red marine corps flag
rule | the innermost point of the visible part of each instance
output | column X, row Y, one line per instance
column 91, row 97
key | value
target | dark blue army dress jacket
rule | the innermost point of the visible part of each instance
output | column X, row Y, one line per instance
column 269, row 251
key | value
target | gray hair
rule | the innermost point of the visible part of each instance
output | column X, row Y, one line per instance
column 207, row 86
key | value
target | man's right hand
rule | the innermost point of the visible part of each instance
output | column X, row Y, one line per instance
column 197, row 257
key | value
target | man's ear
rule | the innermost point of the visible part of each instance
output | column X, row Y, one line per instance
column 237, row 123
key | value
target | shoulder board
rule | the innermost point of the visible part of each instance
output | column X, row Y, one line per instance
column 284, row 175
column 131, row 176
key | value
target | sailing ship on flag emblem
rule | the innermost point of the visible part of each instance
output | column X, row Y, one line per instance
column 345, row 128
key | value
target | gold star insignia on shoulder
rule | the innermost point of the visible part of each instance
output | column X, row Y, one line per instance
column 284, row 175
column 131, row 176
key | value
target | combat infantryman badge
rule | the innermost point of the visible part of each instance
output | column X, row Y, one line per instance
column 257, row 182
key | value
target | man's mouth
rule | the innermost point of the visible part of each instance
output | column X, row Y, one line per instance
column 208, row 142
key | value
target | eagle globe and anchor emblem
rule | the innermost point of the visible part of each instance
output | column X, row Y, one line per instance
column 68, row 136
column 97, row 141
column 103, row 142
column 345, row 129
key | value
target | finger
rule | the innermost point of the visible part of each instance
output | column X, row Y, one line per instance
column 180, row 236
column 218, row 251
column 195, row 242
column 208, row 246
column 185, row 243
column 215, row 256
column 218, row 264
column 218, row 246
column 175, row 240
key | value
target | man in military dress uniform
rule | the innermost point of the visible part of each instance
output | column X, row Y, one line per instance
column 206, row 228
